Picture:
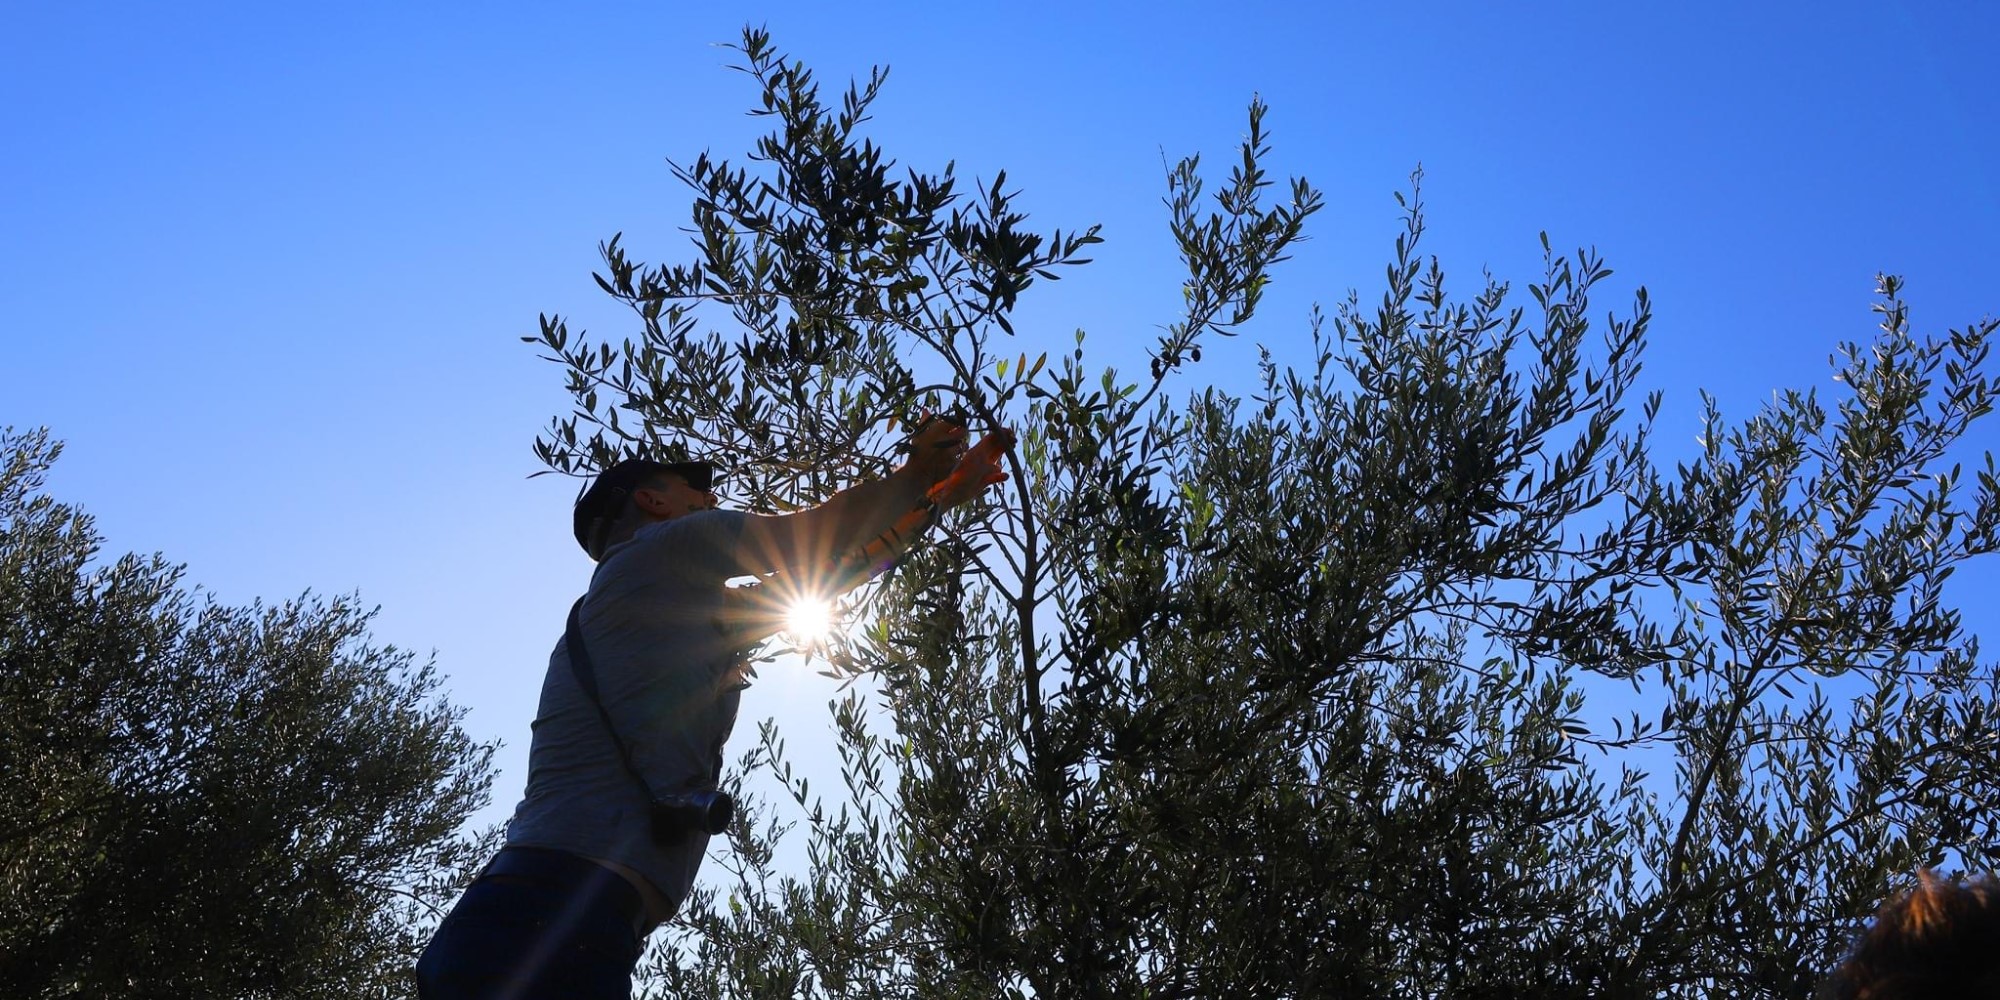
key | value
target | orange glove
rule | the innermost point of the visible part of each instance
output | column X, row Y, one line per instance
column 979, row 469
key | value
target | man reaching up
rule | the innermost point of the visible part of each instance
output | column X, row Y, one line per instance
column 640, row 697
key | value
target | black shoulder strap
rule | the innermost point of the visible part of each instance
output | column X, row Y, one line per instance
column 586, row 678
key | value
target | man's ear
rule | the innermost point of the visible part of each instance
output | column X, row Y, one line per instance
column 651, row 500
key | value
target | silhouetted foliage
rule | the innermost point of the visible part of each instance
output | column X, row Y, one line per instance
column 1300, row 694
column 208, row 801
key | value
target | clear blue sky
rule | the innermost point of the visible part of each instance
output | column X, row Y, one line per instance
column 263, row 266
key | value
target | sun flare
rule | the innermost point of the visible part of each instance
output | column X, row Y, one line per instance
column 808, row 621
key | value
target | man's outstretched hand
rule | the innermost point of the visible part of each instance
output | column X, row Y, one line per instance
column 936, row 448
column 978, row 469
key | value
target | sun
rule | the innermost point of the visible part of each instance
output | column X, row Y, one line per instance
column 808, row 621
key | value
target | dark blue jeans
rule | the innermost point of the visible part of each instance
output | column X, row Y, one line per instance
column 536, row 924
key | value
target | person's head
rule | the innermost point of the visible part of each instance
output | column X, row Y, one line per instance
column 1940, row 939
column 637, row 492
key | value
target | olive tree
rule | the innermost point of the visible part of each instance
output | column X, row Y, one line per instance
column 1302, row 693
column 205, row 800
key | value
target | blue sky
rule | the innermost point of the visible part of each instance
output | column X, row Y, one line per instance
column 264, row 267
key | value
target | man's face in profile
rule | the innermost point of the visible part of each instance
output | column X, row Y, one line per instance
column 670, row 496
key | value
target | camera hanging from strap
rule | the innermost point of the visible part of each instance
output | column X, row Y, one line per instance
column 673, row 815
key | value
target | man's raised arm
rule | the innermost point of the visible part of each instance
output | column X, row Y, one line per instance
column 815, row 538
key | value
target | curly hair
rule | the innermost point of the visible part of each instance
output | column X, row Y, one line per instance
column 1940, row 939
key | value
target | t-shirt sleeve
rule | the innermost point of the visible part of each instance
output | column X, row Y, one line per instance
column 698, row 545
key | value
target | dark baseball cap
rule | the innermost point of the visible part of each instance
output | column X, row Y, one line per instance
column 606, row 495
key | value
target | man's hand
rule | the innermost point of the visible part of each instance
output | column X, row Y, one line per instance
column 936, row 448
column 978, row 469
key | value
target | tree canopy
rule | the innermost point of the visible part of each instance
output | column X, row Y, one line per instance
column 203, row 800
column 1303, row 693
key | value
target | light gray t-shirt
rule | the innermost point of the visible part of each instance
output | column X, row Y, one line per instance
column 671, row 679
